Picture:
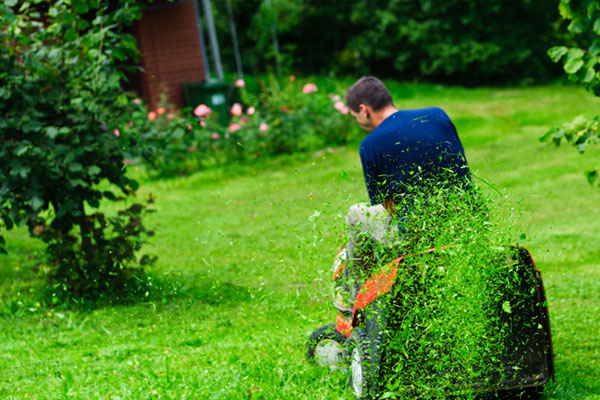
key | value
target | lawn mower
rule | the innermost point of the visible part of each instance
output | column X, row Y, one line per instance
column 358, row 342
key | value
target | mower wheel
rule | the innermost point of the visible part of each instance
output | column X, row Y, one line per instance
column 325, row 347
column 362, row 379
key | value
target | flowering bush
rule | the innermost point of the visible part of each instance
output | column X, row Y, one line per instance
column 285, row 117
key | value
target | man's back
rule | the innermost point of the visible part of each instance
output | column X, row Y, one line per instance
column 408, row 145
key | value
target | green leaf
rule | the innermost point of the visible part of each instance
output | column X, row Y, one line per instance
column 557, row 52
column 21, row 170
column 94, row 170
column 36, row 203
column 68, row 17
column 597, row 26
column 77, row 182
column 82, row 24
column 576, row 26
column 70, row 34
column 573, row 65
column 80, row 6
column 54, row 53
column 21, row 150
column 595, row 47
column 589, row 75
column 51, row 132
column 75, row 167
column 506, row 307
column 575, row 53
column 10, row 3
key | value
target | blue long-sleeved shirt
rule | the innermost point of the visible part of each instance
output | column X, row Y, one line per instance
column 409, row 144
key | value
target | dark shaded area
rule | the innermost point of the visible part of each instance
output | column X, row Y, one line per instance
column 456, row 41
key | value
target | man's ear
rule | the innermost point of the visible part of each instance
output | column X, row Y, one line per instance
column 364, row 109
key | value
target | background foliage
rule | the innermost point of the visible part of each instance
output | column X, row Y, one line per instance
column 461, row 41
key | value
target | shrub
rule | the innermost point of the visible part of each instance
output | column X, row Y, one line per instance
column 284, row 117
column 580, row 62
column 61, row 146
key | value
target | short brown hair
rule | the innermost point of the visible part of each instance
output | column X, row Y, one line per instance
column 369, row 91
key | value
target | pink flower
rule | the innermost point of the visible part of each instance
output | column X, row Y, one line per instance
column 234, row 127
column 243, row 119
column 137, row 100
column 236, row 109
column 189, row 127
column 202, row 111
column 309, row 88
column 160, row 110
column 334, row 97
column 203, row 124
column 251, row 110
column 170, row 116
column 130, row 124
column 116, row 133
column 285, row 109
column 240, row 83
column 341, row 107
column 292, row 78
column 227, row 136
column 215, row 136
column 151, row 115
column 263, row 127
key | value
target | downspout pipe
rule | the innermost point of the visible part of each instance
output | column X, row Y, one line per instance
column 202, row 42
column 236, row 47
column 212, row 37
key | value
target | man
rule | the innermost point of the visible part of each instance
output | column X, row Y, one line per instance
column 403, row 150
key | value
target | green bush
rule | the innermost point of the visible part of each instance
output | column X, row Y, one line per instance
column 581, row 64
column 284, row 117
column 61, row 147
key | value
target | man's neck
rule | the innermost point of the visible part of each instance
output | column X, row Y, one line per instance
column 379, row 116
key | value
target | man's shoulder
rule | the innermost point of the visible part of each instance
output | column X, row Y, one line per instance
column 429, row 112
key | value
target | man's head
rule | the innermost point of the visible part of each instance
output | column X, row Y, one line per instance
column 368, row 100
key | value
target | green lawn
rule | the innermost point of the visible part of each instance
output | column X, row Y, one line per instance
column 245, row 256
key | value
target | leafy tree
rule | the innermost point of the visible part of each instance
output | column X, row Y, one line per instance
column 582, row 65
column 456, row 40
column 453, row 40
column 61, row 151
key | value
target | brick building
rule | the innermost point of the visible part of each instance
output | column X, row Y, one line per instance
column 171, row 50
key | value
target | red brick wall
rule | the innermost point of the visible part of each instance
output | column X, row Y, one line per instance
column 170, row 50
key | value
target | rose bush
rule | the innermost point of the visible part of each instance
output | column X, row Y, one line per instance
column 284, row 117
